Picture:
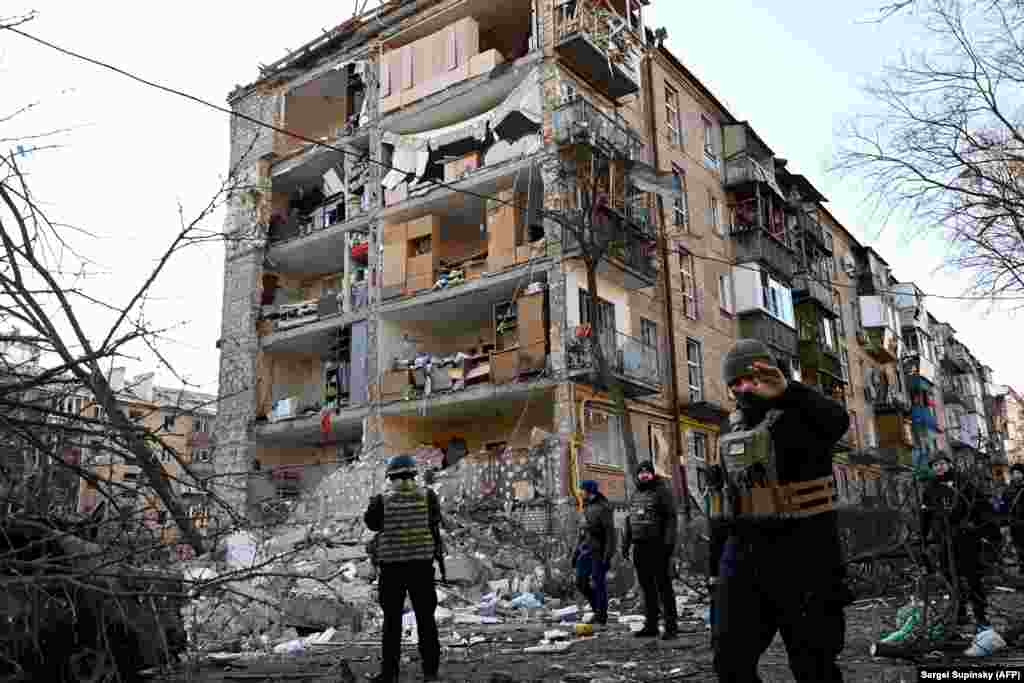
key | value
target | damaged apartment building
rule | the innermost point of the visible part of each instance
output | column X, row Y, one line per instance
column 398, row 279
column 400, row 288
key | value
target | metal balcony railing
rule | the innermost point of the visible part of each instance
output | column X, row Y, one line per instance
column 579, row 120
column 755, row 244
column 813, row 230
column 604, row 28
column 629, row 248
column 628, row 358
column 743, row 168
column 808, row 287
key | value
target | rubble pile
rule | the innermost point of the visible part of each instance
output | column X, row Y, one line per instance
column 264, row 591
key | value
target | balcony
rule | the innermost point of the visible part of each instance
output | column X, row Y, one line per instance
column 807, row 288
column 579, row 121
column 318, row 247
column 309, row 333
column 815, row 356
column 632, row 253
column 637, row 366
column 307, row 430
column 953, row 393
column 816, row 234
column 956, row 359
column 598, row 45
column 889, row 401
column 744, row 170
column 882, row 344
column 919, row 370
column 776, row 334
column 754, row 244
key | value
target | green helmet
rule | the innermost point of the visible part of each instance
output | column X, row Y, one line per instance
column 401, row 464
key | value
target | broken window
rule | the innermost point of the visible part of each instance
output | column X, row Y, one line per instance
column 602, row 437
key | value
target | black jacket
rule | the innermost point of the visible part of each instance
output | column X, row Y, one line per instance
column 961, row 509
column 599, row 528
column 803, row 437
column 1013, row 504
column 658, row 500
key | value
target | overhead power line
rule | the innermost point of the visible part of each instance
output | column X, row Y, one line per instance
column 366, row 157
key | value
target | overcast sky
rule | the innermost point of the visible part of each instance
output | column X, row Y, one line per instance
column 791, row 68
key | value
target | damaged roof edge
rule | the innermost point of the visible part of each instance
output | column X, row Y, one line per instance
column 362, row 28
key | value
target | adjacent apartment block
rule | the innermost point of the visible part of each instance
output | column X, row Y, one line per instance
column 182, row 420
column 401, row 276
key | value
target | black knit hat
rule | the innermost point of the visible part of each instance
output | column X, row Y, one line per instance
column 738, row 362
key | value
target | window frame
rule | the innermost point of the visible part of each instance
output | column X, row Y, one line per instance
column 695, row 391
column 715, row 213
column 693, row 437
column 688, row 280
column 726, row 296
column 588, row 411
column 673, row 120
column 681, row 205
column 709, row 139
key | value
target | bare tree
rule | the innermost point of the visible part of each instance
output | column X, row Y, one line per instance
column 947, row 143
column 595, row 211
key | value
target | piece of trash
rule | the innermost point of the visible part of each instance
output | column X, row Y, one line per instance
column 985, row 643
column 630, row 665
column 584, row 630
column 567, row 613
column 560, row 646
column 555, row 635
column 291, row 647
column 1005, row 589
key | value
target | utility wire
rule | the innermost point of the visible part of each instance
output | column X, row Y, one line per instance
column 389, row 167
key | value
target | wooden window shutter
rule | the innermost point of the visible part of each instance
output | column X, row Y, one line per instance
column 453, row 48
column 407, row 66
column 385, row 74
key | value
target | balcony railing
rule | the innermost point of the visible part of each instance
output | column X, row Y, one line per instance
column 743, row 169
column 807, row 287
column 815, row 355
column 598, row 44
column 882, row 344
column 581, row 121
column 889, row 400
column 813, row 230
column 630, row 359
column 772, row 332
column 756, row 245
column 632, row 249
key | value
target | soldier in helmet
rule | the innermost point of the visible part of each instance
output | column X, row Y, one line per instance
column 407, row 520
column 775, row 561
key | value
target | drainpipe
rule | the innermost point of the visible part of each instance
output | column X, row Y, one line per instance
column 669, row 318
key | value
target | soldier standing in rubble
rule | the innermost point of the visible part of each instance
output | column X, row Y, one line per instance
column 1013, row 504
column 775, row 560
column 651, row 536
column 407, row 520
column 594, row 552
column 954, row 509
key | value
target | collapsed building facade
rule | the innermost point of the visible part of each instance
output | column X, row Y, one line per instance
column 394, row 281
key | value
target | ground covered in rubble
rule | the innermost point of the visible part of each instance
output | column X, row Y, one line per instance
column 300, row 605
column 493, row 652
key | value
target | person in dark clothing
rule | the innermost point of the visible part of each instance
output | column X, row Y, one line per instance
column 594, row 553
column 776, row 561
column 954, row 510
column 407, row 520
column 1013, row 504
column 651, row 536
